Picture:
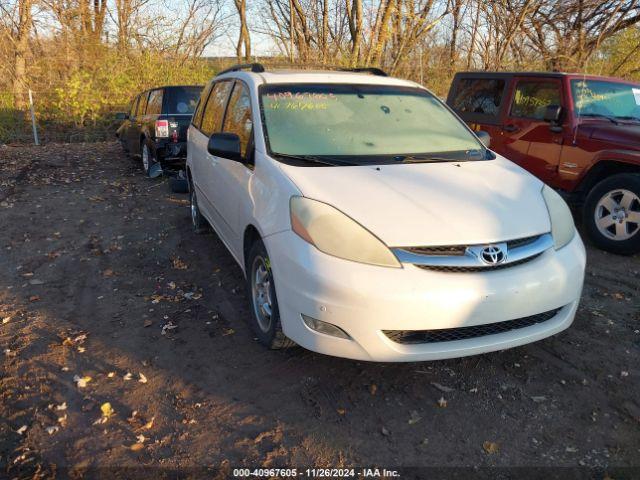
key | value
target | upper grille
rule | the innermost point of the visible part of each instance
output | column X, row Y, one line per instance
column 521, row 242
column 440, row 250
column 476, row 258
column 453, row 269
column 412, row 337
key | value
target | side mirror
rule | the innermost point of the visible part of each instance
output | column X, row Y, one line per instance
column 225, row 145
column 552, row 113
column 484, row 137
column 122, row 116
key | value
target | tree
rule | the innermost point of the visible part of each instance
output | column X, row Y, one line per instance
column 244, row 39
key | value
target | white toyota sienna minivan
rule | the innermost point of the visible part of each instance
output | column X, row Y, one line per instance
column 371, row 223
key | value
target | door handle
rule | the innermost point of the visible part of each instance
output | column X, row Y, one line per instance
column 510, row 128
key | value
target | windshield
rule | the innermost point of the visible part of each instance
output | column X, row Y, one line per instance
column 363, row 123
column 183, row 100
column 609, row 99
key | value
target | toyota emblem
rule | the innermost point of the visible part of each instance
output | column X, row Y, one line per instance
column 492, row 255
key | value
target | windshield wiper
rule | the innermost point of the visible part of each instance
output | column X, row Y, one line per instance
column 422, row 159
column 314, row 159
column 599, row 115
column 628, row 117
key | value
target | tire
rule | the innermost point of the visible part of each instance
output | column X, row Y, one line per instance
column 123, row 143
column 147, row 156
column 265, row 316
column 606, row 202
column 198, row 222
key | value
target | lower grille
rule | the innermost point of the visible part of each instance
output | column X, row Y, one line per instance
column 411, row 337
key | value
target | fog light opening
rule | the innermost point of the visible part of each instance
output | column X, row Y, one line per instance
column 324, row 327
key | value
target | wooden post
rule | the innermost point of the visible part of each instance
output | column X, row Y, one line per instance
column 33, row 119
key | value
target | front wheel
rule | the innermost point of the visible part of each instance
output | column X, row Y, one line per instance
column 612, row 214
column 263, row 302
column 198, row 221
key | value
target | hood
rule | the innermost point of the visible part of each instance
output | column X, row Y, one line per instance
column 427, row 204
column 621, row 134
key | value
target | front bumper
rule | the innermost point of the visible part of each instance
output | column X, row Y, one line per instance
column 365, row 300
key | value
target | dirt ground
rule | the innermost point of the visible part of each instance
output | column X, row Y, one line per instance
column 107, row 296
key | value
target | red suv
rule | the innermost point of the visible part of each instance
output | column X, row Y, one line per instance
column 578, row 133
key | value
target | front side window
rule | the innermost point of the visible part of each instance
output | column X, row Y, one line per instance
column 478, row 95
column 531, row 98
column 602, row 98
column 238, row 116
column 142, row 104
column 214, row 110
column 366, row 123
column 154, row 107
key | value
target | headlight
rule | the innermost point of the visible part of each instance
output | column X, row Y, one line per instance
column 562, row 226
column 334, row 233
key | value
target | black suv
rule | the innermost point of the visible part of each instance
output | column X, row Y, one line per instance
column 155, row 128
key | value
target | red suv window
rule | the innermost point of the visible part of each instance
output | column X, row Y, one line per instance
column 531, row 98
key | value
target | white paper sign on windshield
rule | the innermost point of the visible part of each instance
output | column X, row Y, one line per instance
column 636, row 94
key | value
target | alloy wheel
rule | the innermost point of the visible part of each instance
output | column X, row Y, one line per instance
column 145, row 158
column 617, row 214
column 261, row 293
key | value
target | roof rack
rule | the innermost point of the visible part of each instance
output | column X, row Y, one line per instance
column 372, row 70
column 259, row 68
column 254, row 67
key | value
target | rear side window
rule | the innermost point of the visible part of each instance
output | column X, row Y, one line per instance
column 142, row 104
column 134, row 105
column 481, row 96
column 214, row 111
column 182, row 100
column 238, row 118
column 197, row 115
column 531, row 98
column 154, row 107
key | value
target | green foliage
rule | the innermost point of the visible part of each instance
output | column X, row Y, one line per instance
column 80, row 103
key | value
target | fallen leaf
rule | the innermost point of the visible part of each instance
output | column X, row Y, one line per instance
column 141, row 438
column 341, row 411
column 168, row 326
column 136, row 447
column 81, row 382
column 442, row 388
column 490, row 447
column 442, row 403
column 415, row 418
column 6, row 320
column 147, row 323
column 127, row 376
column 385, row 432
column 179, row 264
column 52, row 430
column 373, row 388
column 108, row 273
column 62, row 407
column 34, row 298
column 107, row 410
column 228, row 331
column 111, row 374
column 142, row 379
column 21, row 430
column 149, row 424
